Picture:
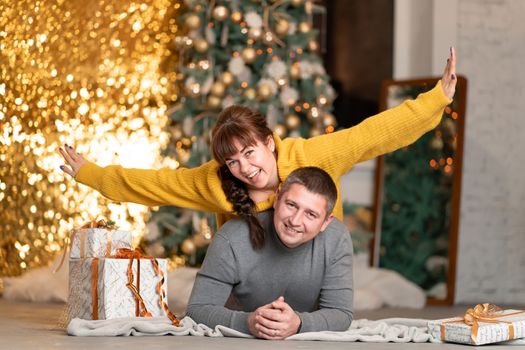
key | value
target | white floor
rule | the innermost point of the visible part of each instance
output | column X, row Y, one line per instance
column 35, row 326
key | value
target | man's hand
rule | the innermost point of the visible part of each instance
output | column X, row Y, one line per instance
column 274, row 321
column 253, row 322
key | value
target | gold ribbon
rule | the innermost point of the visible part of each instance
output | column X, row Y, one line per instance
column 109, row 225
column 488, row 313
column 94, row 288
column 141, row 309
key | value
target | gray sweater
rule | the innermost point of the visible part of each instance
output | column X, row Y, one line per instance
column 314, row 278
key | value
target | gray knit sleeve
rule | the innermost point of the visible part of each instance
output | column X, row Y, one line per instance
column 336, row 298
column 212, row 288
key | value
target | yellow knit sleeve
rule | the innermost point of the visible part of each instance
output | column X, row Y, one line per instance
column 197, row 188
column 382, row 133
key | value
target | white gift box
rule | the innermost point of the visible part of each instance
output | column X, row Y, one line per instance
column 511, row 325
column 113, row 296
column 98, row 242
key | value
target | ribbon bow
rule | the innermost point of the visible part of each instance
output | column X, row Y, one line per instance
column 128, row 253
column 486, row 312
column 110, row 225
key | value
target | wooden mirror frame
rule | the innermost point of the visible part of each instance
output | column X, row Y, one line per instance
column 460, row 107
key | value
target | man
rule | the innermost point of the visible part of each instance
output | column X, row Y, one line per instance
column 300, row 281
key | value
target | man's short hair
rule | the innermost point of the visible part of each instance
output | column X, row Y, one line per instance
column 315, row 180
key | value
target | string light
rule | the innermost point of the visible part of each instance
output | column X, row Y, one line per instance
column 87, row 74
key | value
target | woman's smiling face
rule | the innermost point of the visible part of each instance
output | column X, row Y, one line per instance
column 255, row 165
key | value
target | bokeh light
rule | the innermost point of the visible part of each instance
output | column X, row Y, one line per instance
column 95, row 74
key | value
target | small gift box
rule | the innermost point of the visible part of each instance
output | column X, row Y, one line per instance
column 98, row 239
column 127, row 284
column 483, row 324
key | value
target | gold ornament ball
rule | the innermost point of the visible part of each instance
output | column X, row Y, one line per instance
column 236, row 16
column 249, row 94
column 218, row 88
column 329, row 119
column 268, row 38
column 201, row 45
column 282, row 26
column 255, row 33
column 304, row 27
column 193, row 21
column 220, row 13
column 176, row 132
column 448, row 126
column 293, row 121
column 280, row 130
column 313, row 114
column 227, row 78
column 264, row 91
column 322, row 100
column 188, row 246
column 296, row 3
column 295, row 72
column 214, row 101
column 436, row 143
column 248, row 54
column 205, row 235
column 194, row 90
column 201, row 240
column 282, row 81
column 313, row 45
column 315, row 132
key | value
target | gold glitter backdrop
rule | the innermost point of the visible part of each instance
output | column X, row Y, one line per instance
column 94, row 74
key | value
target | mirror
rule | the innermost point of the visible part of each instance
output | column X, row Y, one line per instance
column 417, row 194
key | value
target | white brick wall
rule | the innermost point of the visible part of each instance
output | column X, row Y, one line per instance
column 491, row 47
column 490, row 39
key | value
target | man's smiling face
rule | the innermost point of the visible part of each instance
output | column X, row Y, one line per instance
column 299, row 215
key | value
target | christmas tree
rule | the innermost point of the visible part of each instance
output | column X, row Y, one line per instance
column 260, row 54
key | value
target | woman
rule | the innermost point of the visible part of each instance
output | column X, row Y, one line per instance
column 250, row 161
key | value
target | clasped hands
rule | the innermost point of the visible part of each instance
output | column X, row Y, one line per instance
column 274, row 321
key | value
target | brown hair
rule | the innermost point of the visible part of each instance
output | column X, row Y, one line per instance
column 246, row 126
column 315, row 180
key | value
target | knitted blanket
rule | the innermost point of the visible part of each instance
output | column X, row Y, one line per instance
column 399, row 330
column 396, row 330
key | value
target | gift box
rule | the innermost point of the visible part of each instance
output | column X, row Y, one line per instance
column 483, row 324
column 98, row 239
column 106, row 288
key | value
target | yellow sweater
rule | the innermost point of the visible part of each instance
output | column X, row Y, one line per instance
column 200, row 188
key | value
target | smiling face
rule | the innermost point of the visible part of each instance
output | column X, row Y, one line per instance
column 255, row 164
column 299, row 215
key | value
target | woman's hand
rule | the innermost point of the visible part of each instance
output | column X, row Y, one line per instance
column 449, row 79
column 73, row 159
